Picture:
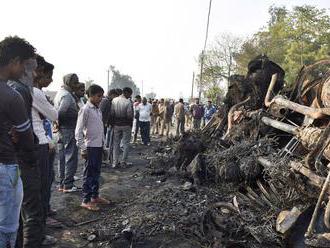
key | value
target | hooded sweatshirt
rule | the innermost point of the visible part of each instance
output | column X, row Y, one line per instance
column 66, row 104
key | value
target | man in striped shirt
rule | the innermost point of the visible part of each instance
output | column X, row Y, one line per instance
column 16, row 137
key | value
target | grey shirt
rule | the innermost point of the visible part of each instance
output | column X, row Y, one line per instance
column 67, row 108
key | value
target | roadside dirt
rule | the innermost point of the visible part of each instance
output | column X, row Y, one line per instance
column 133, row 217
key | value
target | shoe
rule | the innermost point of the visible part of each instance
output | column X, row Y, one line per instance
column 114, row 166
column 76, row 178
column 125, row 164
column 52, row 223
column 48, row 240
column 99, row 200
column 90, row 206
column 52, row 212
column 71, row 190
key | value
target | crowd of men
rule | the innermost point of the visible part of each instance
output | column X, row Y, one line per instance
column 33, row 128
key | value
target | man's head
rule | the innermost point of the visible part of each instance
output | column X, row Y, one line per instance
column 138, row 98
column 127, row 92
column 181, row 100
column 14, row 54
column 80, row 90
column 119, row 91
column 162, row 101
column 197, row 100
column 144, row 100
column 209, row 103
column 112, row 93
column 95, row 94
column 43, row 75
column 71, row 80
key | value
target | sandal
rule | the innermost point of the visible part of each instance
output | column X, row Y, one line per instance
column 89, row 206
column 100, row 200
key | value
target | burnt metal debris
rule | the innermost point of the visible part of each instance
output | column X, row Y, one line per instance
column 255, row 174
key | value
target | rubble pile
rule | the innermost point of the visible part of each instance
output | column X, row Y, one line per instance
column 267, row 153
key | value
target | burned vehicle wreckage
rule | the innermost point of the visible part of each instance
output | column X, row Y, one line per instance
column 261, row 163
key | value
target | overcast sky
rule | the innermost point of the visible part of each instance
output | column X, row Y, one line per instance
column 154, row 41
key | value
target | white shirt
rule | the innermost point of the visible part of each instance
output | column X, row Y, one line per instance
column 145, row 112
column 41, row 106
column 89, row 130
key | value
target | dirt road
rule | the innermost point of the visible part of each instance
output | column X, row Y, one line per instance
column 132, row 212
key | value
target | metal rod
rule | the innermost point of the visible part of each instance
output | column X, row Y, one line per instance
column 280, row 125
column 315, row 113
column 311, row 226
column 270, row 90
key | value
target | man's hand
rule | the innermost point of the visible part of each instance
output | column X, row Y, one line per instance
column 55, row 127
column 51, row 147
column 84, row 154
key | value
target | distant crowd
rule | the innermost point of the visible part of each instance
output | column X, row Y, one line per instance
column 35, row 130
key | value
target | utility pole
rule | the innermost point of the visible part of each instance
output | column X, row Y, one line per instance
column 202, row 55
column 201, row 76
column 142, row 89
column 192, row 86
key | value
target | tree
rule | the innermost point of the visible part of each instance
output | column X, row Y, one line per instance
column 291, row 39
column 121, row 81
column 215, row 94
column 218, row 62
column 150, row 95
column 309, row 38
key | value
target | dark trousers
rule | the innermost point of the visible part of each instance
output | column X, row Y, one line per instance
column 145, row 131
column 45, row 179
column 51, row 176
column 31, row 228
column 92, row 173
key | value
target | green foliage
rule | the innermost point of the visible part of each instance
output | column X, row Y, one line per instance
column 214, row 93
column 291, row 39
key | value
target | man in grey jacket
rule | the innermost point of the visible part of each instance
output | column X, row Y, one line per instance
column 122, row 112
column 67, row 107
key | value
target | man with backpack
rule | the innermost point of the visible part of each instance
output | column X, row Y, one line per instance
column 197, row 111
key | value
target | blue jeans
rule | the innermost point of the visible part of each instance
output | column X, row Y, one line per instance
column 92, row 173
column 11, row 196
column 145, row 131
column 68, row 157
